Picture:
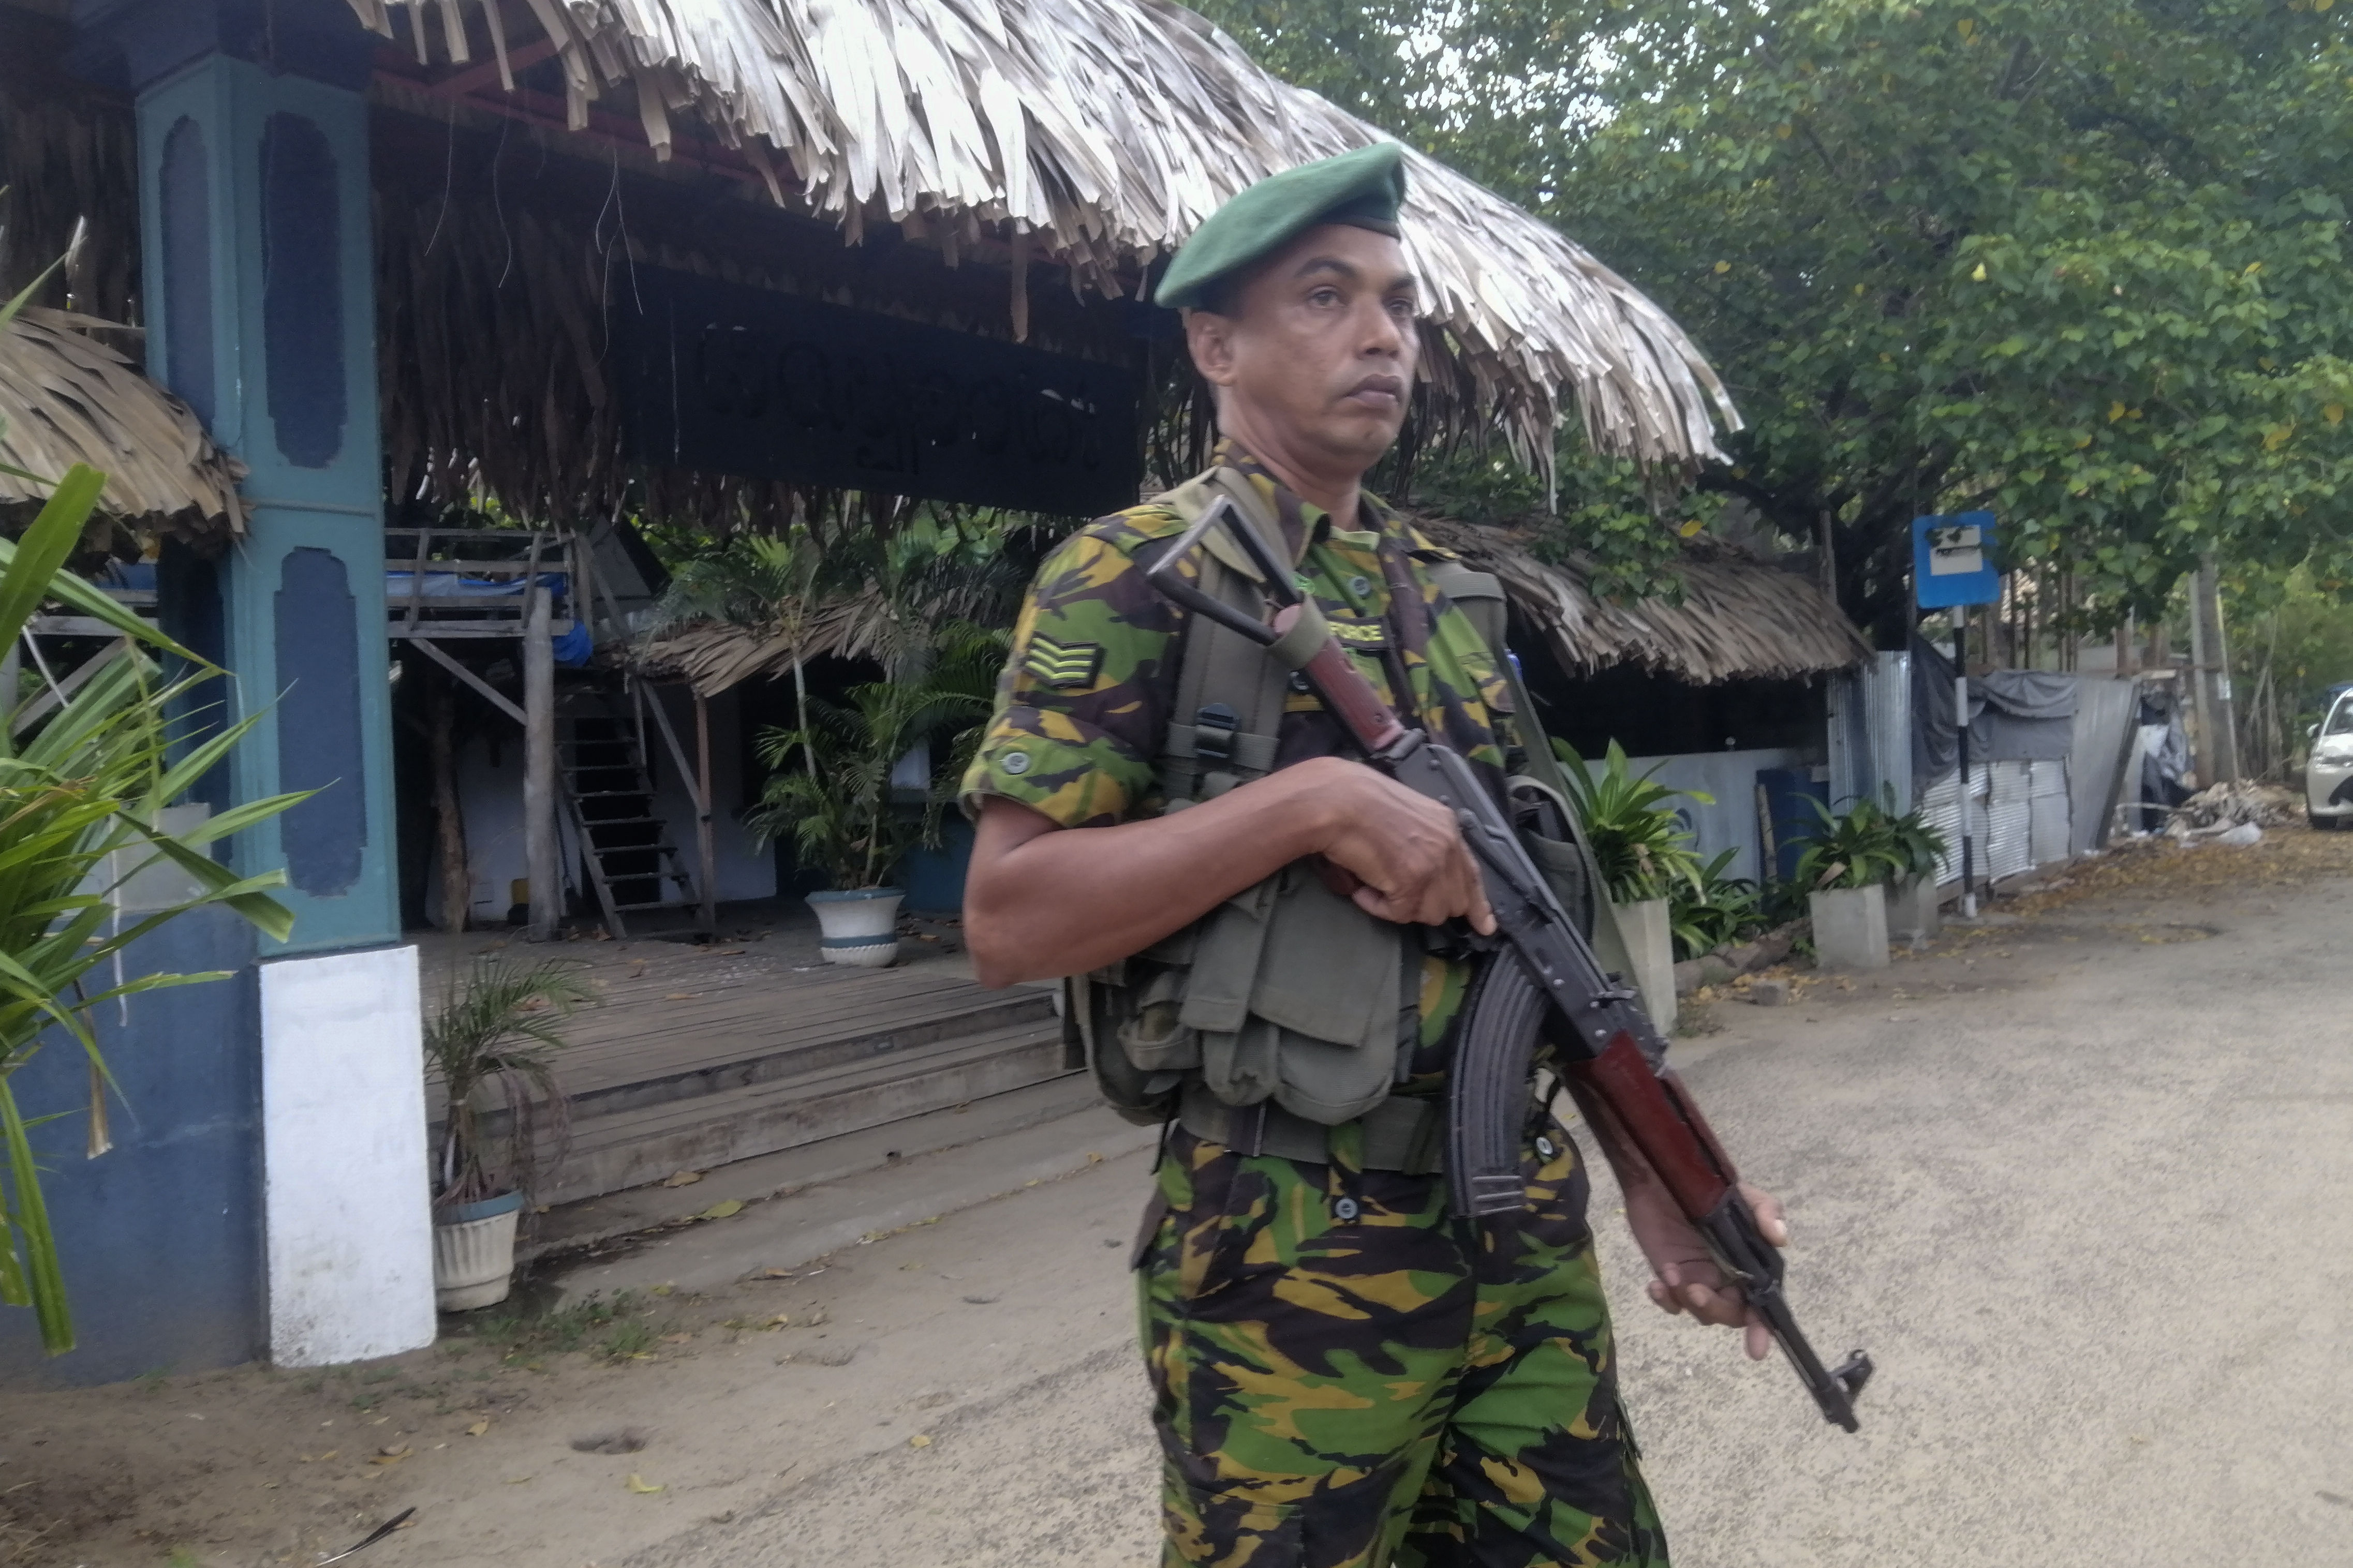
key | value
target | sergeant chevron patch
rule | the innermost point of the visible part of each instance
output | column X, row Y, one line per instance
column 1065, row 667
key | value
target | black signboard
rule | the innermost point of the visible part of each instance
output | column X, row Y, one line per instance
column 735, row 380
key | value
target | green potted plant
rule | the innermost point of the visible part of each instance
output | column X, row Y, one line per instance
column 1845, row 870
column 1644, row 853
column 498, row 1026
column 831, row 788
column 1912, row 910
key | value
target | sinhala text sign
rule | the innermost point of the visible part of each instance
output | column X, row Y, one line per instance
column 1953, row 560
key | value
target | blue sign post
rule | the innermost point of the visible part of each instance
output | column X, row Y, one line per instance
column 1953, row 568
column 1952, row 561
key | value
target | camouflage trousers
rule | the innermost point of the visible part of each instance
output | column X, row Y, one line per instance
column 1347, row 1376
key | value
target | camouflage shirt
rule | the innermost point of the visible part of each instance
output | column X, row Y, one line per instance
column 1084, row 704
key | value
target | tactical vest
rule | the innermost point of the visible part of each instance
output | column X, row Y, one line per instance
column 1287, row 994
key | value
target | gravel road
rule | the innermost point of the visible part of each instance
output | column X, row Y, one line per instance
column 2081, row 1183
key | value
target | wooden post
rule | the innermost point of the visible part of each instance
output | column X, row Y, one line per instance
column 539, row 767
column 450, row 826
column 705, row 852
column 2214, row 674
column 2127, row 646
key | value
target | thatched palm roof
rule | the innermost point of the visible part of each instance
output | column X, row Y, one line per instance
column 1741, row 617
column 713, row 655
column 65, row 397
column 1099, row 134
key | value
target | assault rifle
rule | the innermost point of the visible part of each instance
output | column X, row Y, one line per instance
column 1543, row 971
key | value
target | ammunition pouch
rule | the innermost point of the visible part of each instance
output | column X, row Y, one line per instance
column 1286, row 1005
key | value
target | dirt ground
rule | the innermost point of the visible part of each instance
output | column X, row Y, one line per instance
column 637, row 1427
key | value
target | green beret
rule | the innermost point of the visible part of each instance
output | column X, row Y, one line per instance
column 1363, row 189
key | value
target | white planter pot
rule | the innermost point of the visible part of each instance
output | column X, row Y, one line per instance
column 859, row 927
column 473, row 1253
column 1912, row 913
column 1849, row 929
column 1651, row 953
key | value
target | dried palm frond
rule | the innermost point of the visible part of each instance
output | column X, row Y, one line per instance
column 1095, row 135
column 66, row 397
column 1741, row 617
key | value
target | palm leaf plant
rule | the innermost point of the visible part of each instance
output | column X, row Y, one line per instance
column 1858, row 847
column 1714, row 909
column 497, row 1028
column 85, row 775
column 1641, row 845
column 829, row 787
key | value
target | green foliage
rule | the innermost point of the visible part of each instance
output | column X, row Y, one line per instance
column 1711, row 909
column 830, row 782
column 1867, row 844
column 82, row 788
column 498, row 1023
column 2079, row 261
column 2075, row 261
column 1637, row 840
column 896, row 589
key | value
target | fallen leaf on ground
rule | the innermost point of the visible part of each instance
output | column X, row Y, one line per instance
column 775, row 1274
column 478, row 1428
column 638, row 1484
column 683, row 1179
column 315, row 1459
column 723, row 1209
column 681, row 995
column 518, row 1480
column 919, row 1441
column 664, row 1289
column 390, row 1457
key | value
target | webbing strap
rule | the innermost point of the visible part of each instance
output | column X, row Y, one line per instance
column 1401, row 1133
column 1250, row 754
column 1220, row 666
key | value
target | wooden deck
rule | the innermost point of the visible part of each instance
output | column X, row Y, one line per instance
column 695, row 1055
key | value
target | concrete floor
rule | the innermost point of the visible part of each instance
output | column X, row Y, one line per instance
column 2081, row 1185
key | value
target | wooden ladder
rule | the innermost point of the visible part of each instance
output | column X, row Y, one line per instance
column 609, row 793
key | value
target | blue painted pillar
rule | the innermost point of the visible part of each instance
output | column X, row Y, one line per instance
column 261, row 314
column 302, row 1164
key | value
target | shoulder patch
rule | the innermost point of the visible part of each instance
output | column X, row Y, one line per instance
column 1062, row 666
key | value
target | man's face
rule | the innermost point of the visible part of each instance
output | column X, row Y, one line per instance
column 1319, row 350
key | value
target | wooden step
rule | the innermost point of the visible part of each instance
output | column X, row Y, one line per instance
column 730, row 1041
column 632, row 1148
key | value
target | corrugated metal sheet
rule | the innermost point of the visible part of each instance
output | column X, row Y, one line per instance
column 2046, row 812
column 1942, row 806
column 2106, row 714
column 1848, row 747
column 2009, row 819
column 1886, row 683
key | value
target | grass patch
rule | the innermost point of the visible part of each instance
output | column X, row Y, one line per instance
column 598, row 1324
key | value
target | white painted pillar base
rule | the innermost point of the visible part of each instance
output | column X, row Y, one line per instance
column 343, row 1109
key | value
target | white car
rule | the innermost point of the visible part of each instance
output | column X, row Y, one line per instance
column 2328, row 773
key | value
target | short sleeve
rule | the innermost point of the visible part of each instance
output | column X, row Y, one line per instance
column 1082, row 705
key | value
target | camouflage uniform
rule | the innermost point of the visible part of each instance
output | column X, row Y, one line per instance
column 1347, row 1376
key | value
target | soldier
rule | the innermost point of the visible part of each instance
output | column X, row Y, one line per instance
column 1346, row 1375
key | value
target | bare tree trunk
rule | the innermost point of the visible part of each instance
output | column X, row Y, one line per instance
column 450, row 823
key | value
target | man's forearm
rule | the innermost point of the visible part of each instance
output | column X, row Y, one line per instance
column 1042, row 902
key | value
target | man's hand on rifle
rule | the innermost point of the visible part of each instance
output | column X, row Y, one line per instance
column 1688, row 1279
